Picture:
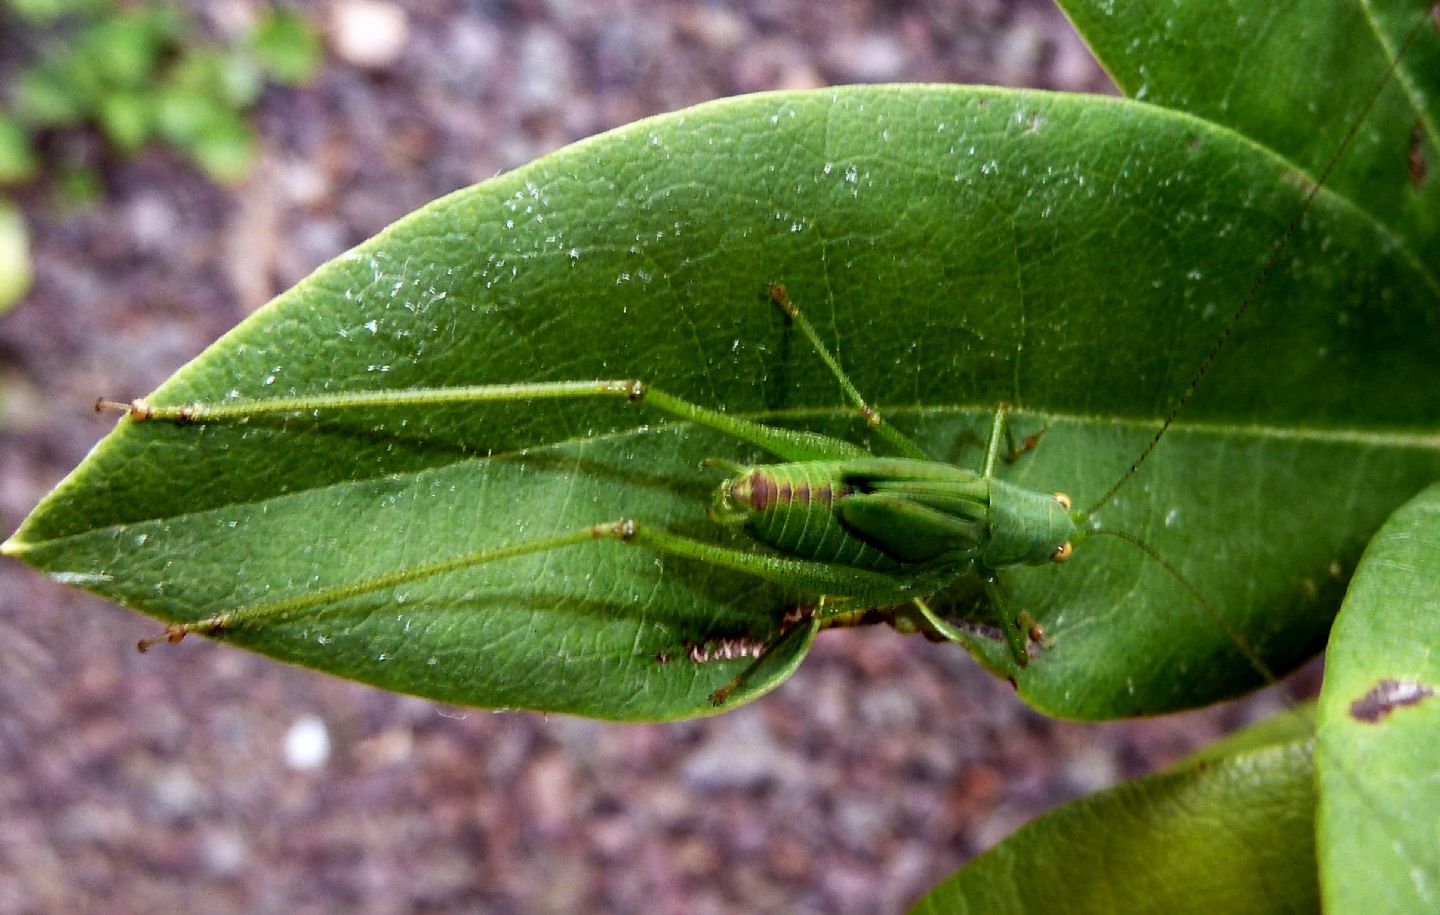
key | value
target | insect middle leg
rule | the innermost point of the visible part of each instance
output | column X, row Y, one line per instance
column 1000, row 431
column 802, row 574
column 871, row 415
column 830, row 612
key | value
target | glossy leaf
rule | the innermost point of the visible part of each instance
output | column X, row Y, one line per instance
column 1074, row 256
column 1245, row 63
column 1379, row 731
column 286, row 46
column 1230, row 834
column 17, row 158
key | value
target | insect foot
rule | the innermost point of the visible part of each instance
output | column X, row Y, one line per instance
column 174, row 632
column 622, row 530
column 139, row 410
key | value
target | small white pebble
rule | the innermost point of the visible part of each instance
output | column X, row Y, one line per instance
column 223, row 852
column 307, row 743
column 370, row 34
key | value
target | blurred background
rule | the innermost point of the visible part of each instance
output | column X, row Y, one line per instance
column 167, row 168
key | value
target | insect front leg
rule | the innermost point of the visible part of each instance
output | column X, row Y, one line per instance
column 1014, row 626
column 999, row 426
column 1000, row 431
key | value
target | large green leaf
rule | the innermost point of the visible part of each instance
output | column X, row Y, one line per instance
column 1075, row 256
column 1229, row 833
column 1267, row 68
column 1379, row 734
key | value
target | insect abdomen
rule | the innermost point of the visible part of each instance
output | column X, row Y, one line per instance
column 791, row 508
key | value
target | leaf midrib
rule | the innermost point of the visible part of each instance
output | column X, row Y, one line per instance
column 1255, row 431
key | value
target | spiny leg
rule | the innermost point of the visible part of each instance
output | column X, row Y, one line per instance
column 871, row 415
column 807, row 575
column 246, row 616
column 787, row 444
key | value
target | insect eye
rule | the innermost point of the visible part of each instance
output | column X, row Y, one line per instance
column 1063, row 551
column 1063, row 499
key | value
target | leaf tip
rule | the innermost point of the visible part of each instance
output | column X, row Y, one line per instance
column 13, row 547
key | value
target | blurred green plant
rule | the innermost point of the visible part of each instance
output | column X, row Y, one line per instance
column 14, row 254
column 139, row 73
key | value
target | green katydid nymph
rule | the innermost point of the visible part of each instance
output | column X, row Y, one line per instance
column 386, row 440
column 858, row 530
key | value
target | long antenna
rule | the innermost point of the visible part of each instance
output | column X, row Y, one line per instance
column 1236, row 636
column 1269, row 265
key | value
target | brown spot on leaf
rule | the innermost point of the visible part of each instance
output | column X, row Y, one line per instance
column 1386, row 696
column 1298, row 178
column 1419, row 165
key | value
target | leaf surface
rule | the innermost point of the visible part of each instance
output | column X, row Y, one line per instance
column 1228, row 834
column 1074, row 256
column 1379, row 734
column 1270, row 70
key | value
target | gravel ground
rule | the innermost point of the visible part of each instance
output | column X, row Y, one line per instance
column 200, row 778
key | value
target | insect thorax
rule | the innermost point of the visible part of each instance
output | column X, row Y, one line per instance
column 1026, row 527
